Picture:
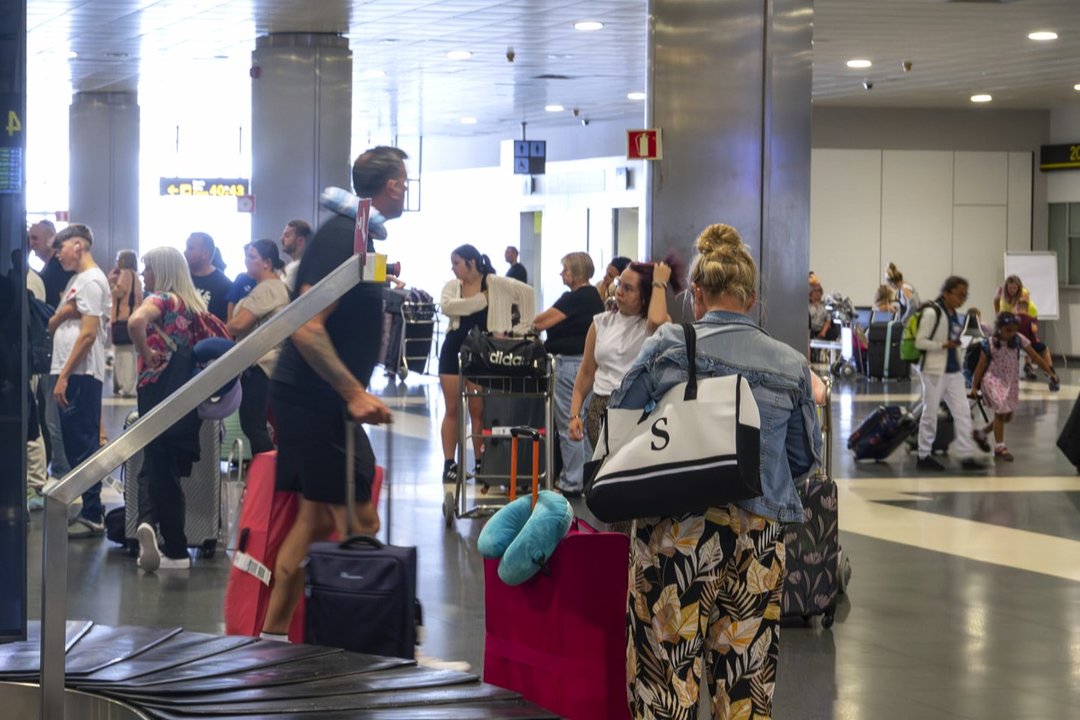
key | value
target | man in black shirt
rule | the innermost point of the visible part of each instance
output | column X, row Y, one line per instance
column 211, row 283
column 321, row 379
column 53, row 273
column 517, row 270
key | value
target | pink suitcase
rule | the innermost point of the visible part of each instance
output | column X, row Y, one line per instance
column 560, row 638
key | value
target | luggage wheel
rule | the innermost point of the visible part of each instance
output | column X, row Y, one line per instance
column 132, row 547
column 208, row 549
column 843, row 573
column 827, row 619
column 448, row 510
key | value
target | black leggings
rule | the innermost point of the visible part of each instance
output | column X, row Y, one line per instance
column 161, row 476
column 253, row 406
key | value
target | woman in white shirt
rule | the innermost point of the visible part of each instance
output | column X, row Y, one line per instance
column 614, row 340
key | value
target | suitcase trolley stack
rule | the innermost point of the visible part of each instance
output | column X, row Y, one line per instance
column 409, row 332
column 202, row 493
column 513, row 398
column 816, row 569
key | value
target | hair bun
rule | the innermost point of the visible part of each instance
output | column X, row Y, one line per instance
column 717, row 238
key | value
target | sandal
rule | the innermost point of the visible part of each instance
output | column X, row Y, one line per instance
column 1002, row 453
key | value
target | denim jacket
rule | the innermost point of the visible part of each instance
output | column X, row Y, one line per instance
column 779, row 378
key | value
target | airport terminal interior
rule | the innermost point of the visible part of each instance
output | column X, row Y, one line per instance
column 927, row 133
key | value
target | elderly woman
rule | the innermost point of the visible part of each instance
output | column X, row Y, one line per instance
column 567, row 324
column 821, row 323
column 126, row 296
column 721, row 566
column 264, row 265
column 614, row 340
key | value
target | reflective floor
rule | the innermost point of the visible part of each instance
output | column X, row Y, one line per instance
column 964, row 602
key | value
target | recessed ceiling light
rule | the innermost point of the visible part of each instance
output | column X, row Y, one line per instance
column 1043, row 35
column 981, row 98
column 635, row 95
column 459, row 54
column 374, row 73
column 588, row 25
column 859, row 64
column 554, row 108
column 563, row 56
column 71, row 54
column 468, row 121
column 1076, row 87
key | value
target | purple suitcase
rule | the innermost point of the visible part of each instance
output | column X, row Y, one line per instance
column 881, row 432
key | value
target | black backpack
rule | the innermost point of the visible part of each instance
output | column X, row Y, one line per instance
column 38, row 340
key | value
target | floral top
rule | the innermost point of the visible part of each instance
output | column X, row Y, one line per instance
column 176, row 322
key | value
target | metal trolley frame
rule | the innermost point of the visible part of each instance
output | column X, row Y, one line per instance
column 455, row 502
column 417, row 313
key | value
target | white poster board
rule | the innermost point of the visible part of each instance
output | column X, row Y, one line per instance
column 1039, row 271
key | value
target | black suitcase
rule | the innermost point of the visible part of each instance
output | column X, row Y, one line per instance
column 883, row 355
column 881, row 432
column 816, row 571
column 946, row 429
column 1069, row 439
column 361, row 593
column 502, row 412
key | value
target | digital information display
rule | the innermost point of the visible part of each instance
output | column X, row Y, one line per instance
column 11, row 170
column 1060, row 157
column 206, row 187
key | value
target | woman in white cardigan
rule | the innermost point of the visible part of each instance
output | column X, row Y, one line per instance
column 476, row 297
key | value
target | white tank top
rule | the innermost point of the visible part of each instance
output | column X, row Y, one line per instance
column 618, row 341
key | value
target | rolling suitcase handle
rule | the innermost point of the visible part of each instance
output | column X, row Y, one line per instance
column 534, row 435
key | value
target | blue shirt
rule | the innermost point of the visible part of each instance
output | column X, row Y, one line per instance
column 779, row 378
column 240, row 288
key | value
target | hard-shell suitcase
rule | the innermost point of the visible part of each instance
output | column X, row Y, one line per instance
column 946, row 429
column 883, row 356
column 1069, row 439
column 559, row 639
column 371, row 582
column 202, row 493
column 266, row 516
column 502, row 412
column 884, row 430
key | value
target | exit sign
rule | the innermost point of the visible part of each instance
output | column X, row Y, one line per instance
column 644, row 145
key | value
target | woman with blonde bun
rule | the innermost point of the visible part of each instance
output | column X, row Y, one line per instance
column 720, row 567
column 906, row 297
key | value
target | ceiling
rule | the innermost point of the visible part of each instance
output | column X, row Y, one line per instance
column 956, row 49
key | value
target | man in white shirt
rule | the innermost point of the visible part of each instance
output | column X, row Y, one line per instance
column 294, row 239
column 78, row 362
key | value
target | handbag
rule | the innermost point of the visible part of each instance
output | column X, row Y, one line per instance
column 119, row 329
column 484, row 355
column 698, row 448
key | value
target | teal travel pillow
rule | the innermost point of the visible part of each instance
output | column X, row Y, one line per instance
column 525, row 538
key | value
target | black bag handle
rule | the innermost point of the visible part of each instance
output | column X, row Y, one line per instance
column 355, row 540
column 691, row 362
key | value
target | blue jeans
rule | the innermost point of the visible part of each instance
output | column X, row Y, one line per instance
column 573, row 451
column 80, row 424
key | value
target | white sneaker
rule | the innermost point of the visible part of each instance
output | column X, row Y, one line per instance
column 434, row 663
column 149, row 555
column 168, row 563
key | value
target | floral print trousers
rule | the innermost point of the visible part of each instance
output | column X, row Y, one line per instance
column 704, row 593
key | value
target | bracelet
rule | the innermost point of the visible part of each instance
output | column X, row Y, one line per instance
column 660, row 283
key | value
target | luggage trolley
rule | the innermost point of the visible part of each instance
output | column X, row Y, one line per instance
column 420, row 325
column 517, row 403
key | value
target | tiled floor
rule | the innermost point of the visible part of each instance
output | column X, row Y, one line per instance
column 964, row 603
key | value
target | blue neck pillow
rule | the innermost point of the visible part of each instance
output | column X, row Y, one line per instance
column 525, row 537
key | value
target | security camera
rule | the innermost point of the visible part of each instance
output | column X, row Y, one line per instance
column 585, row 122
column 906, row 64
column 867, row 85
column 510, row 55
column 575, row 111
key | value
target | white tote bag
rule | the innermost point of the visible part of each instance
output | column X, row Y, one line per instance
column 699, row 447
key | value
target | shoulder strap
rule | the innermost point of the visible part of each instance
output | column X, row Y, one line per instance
column 691, row 361
column 131, row 293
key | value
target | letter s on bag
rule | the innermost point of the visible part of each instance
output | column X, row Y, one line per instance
column 660, row 433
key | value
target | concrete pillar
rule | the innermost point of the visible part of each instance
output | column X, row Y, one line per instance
column 301, row 123
column 104, row 156
column 729, row 85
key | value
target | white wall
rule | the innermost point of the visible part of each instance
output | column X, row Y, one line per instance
column 1063, row 335
column 933, row 213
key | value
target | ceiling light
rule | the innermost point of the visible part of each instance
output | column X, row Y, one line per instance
column 588, row 25
column 468, row 120
column 459, row 54
column 1043, row 35
column 859, row 64
column 1076, row 87
column 636, row 95
column 71, row 54
column 554, row 108
column 374, row 73
column 981, row 98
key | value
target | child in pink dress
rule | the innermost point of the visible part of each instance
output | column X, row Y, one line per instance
column 998, row 375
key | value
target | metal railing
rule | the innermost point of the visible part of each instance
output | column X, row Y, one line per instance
column 57, row 498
